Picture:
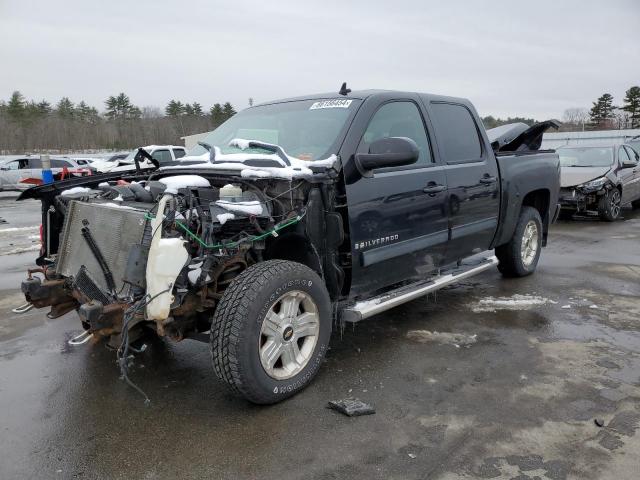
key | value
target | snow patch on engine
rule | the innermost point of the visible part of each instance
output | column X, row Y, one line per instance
column 74, row 190
column 183, row 181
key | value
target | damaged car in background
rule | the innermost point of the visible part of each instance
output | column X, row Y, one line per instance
column 598, row 180
column 258, row 245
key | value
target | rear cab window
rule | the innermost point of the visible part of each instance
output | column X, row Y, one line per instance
column 178, row 153
column 457, row 133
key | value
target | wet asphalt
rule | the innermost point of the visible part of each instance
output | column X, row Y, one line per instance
column 492, row 378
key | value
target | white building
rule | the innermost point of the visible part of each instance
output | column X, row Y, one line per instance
column 191, row 141
column 552, row 140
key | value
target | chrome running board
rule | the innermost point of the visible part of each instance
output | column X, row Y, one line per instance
column 373, row 306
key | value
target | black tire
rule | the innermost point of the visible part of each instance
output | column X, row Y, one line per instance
column 236, row 329
column 510, row 255
column 610, row 205
column 635, row 204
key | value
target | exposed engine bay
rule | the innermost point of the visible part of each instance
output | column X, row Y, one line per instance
column 173, row 244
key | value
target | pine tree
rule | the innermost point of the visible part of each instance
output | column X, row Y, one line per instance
column 120, row 107
column 44, row 107
column 602, row 110
column 65, row 108
column 217, row 115
column 188, row 109
column 16, row 106
column 197, row 109
column 174, row 108
column 228, row 111
column 631, row 104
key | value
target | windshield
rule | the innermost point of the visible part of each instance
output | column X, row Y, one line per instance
column 307, row 129
column 585, row 156
column 129, row 158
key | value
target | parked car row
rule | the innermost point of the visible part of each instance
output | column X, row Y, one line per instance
column 16, row 174
column 599, row 180
column 21, row 173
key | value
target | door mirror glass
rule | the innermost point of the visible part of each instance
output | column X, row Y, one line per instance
column 628, row 163
column 388, row 152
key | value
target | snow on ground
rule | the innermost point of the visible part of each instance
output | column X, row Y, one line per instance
column 19, row 229
column 446, row 338
column 12, row 251
column 514, row 302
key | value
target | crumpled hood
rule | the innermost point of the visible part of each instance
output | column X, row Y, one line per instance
column 572, row 176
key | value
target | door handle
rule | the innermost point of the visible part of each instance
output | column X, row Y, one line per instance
column 432, row 189
column 487, row 180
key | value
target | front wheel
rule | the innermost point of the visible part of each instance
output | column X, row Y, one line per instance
column 609, row 205
column 271, row 330
column 519, row 257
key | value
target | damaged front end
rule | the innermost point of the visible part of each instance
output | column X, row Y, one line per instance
column 586, row 197
column 157, row 255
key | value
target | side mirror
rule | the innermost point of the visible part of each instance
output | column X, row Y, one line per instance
column 629, row 164
column 387, row 152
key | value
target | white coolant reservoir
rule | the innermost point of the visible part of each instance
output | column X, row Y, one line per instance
column 167, row 257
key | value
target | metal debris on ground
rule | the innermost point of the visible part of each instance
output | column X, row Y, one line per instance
column 351, row 407
column 25, row 307
column 599, row 422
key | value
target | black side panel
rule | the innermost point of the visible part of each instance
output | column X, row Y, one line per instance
column 520, row 175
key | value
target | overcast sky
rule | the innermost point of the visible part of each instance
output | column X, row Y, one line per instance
column 533, row 58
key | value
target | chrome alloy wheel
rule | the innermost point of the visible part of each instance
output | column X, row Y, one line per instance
column 288, row 335
column 614, row 199
column 530, row 243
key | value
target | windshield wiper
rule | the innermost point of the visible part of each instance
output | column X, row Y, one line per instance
column 141, row 155
column 210, row 149
column 270, row 147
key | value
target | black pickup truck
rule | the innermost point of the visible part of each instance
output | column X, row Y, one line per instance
column 293, row 217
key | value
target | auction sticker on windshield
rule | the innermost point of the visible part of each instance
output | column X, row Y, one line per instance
column 338, row 103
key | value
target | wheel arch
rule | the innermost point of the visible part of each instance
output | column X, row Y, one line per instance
column 296, row 248
column 539, row 199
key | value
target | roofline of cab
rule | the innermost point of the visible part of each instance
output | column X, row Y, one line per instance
column 364, row 94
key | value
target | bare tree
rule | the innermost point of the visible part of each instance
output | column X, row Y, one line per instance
column 576, row 117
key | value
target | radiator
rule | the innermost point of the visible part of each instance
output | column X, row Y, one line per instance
column 114, row 230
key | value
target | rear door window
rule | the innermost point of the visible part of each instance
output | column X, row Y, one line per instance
column 456, row 133
column 178, row 153
column 34, row 163
column 162, row 156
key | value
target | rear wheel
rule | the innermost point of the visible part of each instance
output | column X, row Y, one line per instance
column 519, row 257
column 271, row 331
column 609, row 205
column 635, row 204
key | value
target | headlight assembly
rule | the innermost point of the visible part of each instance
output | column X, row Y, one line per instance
column 596, row 184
